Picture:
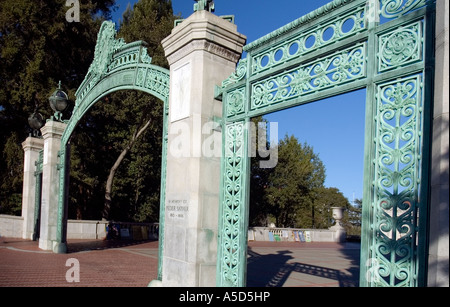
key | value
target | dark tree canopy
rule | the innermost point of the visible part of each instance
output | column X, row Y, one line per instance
column 38, row 47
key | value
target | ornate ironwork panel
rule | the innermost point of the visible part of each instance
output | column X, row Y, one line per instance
column 396, row 185
column 380, row 45
column 397, row 8
column 235, row 101
column 339, row 68
column 339, row 27
column 401, row 47
column 234, row 205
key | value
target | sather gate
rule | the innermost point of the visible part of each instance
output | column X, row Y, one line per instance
column 384, row 46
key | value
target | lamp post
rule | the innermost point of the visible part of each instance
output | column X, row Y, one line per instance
column 58, row 102
column 36, row 122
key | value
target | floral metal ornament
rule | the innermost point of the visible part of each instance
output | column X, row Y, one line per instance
column 397, row 183
column 105, row 47
column 233, row 200
column 397, row 8
column 401, row 46
column 339, row 68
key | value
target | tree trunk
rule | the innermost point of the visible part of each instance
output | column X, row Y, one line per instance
column 112, row 172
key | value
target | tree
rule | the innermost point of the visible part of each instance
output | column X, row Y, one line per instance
column 38, row 47
column 140, row 115
column 324, row 200
column 126, row 128
column 150, row 21
column 354, row 216
column 291, row 183
column 11, row 190
column 259, row 182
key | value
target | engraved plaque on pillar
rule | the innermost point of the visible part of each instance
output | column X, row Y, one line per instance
column 181, row 92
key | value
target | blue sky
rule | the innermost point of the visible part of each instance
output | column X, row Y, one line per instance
column 334, row 127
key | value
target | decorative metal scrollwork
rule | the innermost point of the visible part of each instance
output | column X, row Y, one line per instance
column 396, row 8
column 154, row 80
column 235, row 102
column 397, row 183
column 320, row 36
column 238, row 75
column 333, row 70
column 400, row 47
column 310, row 59
column 106, row 45
column 233, row 196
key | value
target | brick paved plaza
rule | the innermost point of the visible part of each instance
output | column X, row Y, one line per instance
column 134, row 264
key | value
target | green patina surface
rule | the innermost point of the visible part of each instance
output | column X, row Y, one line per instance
column 384, row 46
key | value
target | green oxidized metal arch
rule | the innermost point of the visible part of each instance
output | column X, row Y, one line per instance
column 116, row 66
column 385, row 46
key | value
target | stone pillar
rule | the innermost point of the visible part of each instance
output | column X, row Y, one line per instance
column 51, row 132
column 31, row 147
column 438, row 268
column 202, row 52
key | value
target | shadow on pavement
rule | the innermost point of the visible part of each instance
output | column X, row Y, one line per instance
column 273, row 270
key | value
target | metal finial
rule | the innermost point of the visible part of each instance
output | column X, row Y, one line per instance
column 204, row 5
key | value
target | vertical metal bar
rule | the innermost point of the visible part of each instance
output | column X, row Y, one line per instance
column 233, row 211
column 38, row 196
column 244, row 212
column 162, row 206
column 372, row 21
column 424, row 197
column 220, row 234
column 63, row 198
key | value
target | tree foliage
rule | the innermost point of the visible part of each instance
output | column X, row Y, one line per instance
column 292, row 181
column 293, row 193
column 127, row 126
column 324, row 199
column 38, row 47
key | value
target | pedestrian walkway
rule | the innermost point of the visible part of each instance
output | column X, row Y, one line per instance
column 293, row 264
column 134, row 264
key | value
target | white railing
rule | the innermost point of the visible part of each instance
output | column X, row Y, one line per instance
column 12, row 227
column 293, row 235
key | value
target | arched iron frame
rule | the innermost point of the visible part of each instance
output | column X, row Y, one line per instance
column 116, row 66
column 385, row 46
